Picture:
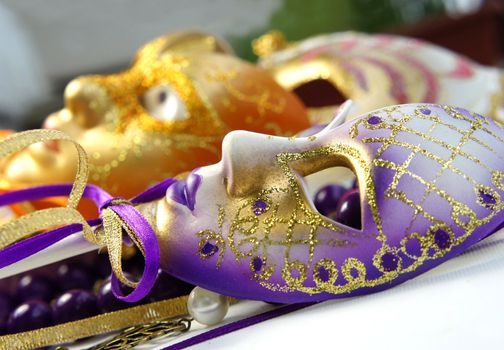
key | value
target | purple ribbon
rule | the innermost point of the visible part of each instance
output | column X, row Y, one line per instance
column 128, row 213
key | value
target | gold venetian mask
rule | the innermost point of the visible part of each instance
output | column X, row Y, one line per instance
column 164, row 115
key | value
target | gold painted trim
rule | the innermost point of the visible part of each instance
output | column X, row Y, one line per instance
column 104, row 323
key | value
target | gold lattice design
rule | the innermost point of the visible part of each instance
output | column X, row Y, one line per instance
column 401, row 170
column 252, row 236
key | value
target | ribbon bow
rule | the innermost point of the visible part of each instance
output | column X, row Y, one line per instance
column 21, row 237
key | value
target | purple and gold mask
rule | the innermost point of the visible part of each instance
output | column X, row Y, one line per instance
column 431, row 180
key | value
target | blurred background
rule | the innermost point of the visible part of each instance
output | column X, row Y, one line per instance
column 46, row 43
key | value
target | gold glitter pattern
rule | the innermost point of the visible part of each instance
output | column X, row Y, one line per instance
column 297, row 228
column 218, row 244
column 294, row 271
column 251, row 233
column 154, row 72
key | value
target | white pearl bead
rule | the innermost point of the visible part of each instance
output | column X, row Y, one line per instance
column 207, row 307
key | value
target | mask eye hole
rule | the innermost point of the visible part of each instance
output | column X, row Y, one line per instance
column 319, row 93
column 334, row 193
column 164, row 103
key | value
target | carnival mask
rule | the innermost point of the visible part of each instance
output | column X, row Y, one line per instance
column 165, row 115
column 431, row 182
column 377, row 71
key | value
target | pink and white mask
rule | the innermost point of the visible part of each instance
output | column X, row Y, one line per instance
column 378, row 70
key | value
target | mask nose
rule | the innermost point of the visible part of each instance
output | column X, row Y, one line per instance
column 249, row 158
column 87, row 101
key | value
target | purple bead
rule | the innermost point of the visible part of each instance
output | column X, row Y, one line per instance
column 389, row 261
column 326, row 199
column 259, row 207
column 30, row 315
column 102, row 266
column 32, row 287
column 134, row 266
column 442, row 239
column 73, row 276
column 374, row 120
column 74, row 305
column 425, row 111
column 348, row 211
column 167, row 287
column 107, row 302
column 257, row 263
column 6, row 305
column 3, row 326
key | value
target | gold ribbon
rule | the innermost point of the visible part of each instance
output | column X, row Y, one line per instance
column 113, row 226
column 91, row 326
column 35, row 222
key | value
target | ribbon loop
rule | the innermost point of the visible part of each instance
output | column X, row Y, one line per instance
column 18, row 141
column 34, row 222
column 117, row 216
column 144, row 237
